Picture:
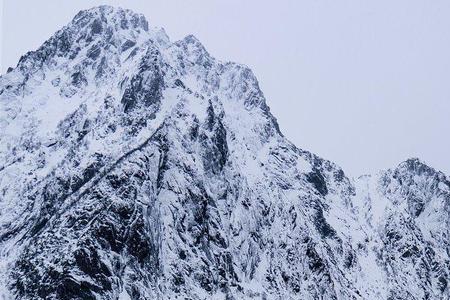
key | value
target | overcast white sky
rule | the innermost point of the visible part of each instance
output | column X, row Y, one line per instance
column 363, row 83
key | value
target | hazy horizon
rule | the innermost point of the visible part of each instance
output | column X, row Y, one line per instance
column 363, row 85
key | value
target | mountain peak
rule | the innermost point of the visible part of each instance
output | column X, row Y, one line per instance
column 126, row 18
column 135, row 168
column 110, row 25
column 416, row 166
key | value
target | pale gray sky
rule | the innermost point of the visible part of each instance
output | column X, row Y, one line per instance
column 363, row 83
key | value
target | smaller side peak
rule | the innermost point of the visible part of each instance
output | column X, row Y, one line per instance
column 414, row 164
column 416, row 167
column 416, row 184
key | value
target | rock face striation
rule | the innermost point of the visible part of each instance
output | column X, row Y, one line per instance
column 133, row 167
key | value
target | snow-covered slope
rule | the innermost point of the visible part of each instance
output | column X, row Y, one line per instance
column 133, row 167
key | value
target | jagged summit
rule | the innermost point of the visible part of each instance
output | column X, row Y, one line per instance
column 112, row 26
column 133, row 167
column 113, row 14
column 418, row 167
column 414, row 173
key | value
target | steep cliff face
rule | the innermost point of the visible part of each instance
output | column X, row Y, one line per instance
column 133, row 167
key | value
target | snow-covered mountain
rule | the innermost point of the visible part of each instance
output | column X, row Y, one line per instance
column 134, row 167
